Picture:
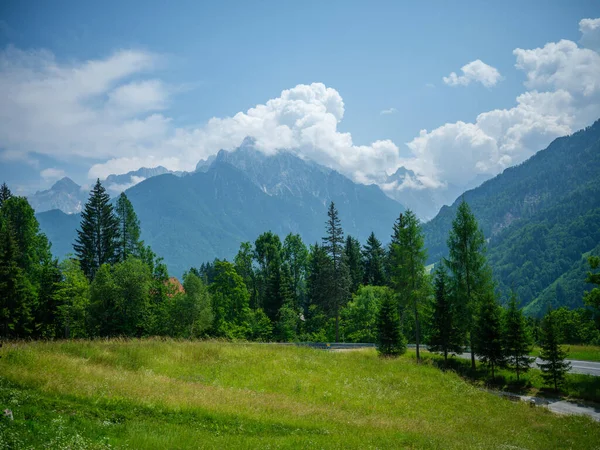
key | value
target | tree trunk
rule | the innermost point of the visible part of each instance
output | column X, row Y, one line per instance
column 472, row 351
column 417, row 331
column 337, row 322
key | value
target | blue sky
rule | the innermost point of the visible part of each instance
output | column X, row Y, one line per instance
column 212, row 60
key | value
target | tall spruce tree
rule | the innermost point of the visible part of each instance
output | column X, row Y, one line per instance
column 554, row 367
column 489, row 343
column 339, row 279
column 5, row 194
column 97, row 238
column 390, row 340
column 407, row 266
column 467, row 265
column 129, row 228
column 446, row 335
column 353, row 254
column 517, row 340
column 319, row 267
column 373, row 262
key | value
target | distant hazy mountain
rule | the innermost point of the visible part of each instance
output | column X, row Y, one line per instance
column 540, row 218
column 204, row 164
column 404, row 187
column 65, row 195
column 68, row 196
column 116, row 184
column 192, row 219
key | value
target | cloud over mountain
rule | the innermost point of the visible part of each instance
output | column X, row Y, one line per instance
column 114, row 113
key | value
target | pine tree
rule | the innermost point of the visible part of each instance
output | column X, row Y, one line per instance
column 319, row 267
column 407, row 266
column 554, row 367
column 517, row 340
column 129, row 228
column 5, row 194
column 390, row 340
column 467, row 265
column 339, row 280
column 353, row 255
column 489, row 343
column 446, row 335
column 97, row 240
column 373, row 262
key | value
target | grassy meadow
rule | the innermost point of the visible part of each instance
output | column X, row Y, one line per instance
column 159, row 394
column 578, row 352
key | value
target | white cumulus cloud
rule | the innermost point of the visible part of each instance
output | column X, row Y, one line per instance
column 475, row 71
column 590, row 33
column 52, row 173
column 563, row 82
column 114, row 112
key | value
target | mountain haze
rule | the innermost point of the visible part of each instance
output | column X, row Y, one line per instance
column 65, row 195
column 204, row 215
column 539, row 217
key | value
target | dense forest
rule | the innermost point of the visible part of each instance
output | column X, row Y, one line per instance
column 540, row 219
column 273, row 290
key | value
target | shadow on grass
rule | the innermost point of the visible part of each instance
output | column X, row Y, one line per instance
column 577, row 387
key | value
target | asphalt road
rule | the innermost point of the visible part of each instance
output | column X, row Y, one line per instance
column 583, row 367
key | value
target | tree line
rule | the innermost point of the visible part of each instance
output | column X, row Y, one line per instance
column 273, row 290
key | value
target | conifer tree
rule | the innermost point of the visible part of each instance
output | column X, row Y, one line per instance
column 446, row 335
column 517, row 340
column 353, row 255
column 339, row 279
column 5, row 194
column 129, row 229
column 390, row 340
column 407, row 266
column 319, row 267
column 554, row 367
column 97, row 240
column 373, row 262
column 489, row 343
column 467, row 265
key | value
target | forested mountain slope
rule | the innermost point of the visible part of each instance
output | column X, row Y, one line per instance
column 540, row 217
column 192, row 219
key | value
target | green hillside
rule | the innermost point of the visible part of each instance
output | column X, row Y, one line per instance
column 163, row 394
column 539, row 217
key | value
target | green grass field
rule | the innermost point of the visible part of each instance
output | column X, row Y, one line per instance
column 166, row 394
column 579, row 352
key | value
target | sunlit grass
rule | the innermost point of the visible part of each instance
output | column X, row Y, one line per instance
column 169, row 394
column 578, row 352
